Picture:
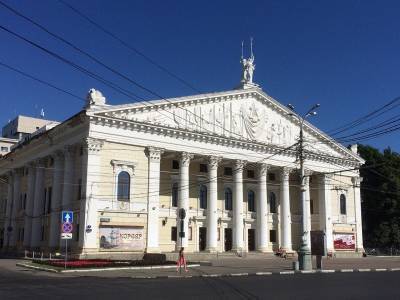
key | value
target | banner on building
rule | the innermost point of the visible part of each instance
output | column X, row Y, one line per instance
column 122, row 238
column 344, row 241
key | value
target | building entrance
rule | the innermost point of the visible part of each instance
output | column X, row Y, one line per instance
column 202, row 238
column 251, row 238
column 228, row 239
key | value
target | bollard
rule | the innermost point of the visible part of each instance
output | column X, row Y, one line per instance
column 295, row 265
column 33, row 255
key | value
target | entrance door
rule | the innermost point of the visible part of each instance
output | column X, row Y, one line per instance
column 202, row 238
column 228, row 239
column 251, row 237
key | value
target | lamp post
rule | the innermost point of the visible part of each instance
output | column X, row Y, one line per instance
column 304, row 252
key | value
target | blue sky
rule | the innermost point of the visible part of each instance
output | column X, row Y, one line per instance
column 341, row 54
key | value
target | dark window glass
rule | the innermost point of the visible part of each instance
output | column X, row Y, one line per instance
column 175, row 195
column 24, row 201
column 272, row 236
column 203, row 196
column 311, row 206
column 342, row 204
column 203, row 168
column 124, row 182
column 271, row 176
column 45, row 200
column 228, row 171
column 49, row 191
column 77, row 232
column 175, row 164
column 251, row 201
column 79, row 189
column 228, row 199
column 272, row 203
column 174, row 233
column 250, row 173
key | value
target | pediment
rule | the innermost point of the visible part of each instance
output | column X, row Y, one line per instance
column 248, row 115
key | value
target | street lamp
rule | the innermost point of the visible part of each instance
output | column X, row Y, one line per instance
column 305, row 262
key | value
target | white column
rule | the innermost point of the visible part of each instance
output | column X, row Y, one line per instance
column 56, row 194
column 7, row 222
column 286, row 221
column 212, row 213
column 15, row 206
column 183, row 201
column 153, row 208
column 68, row 177
column 308, row 209
column 237, row 243
column 325, row 209
column 88, row 219
column 38, row 204
column 357, row 205
column 262, row 209
column 29, row 205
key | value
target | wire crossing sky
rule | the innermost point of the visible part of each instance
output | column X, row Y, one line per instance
column 341, row 54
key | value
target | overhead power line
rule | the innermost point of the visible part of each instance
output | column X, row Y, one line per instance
column 128, row 46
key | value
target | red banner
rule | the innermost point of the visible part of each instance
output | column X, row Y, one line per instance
column 344, row 241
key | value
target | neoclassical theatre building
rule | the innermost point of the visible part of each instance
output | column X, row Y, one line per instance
column 228, row 158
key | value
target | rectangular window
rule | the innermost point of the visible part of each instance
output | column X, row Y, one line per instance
column 4, row 149
column 174, row 233
column 190, row 233
column 228, row 171
column 44, row 200
column 49, row 191
column 79, row 188
column 272, row 236
column 203, row 168
column 77, row 232
column 42, row 233
column 175, row 164
column 219, row 233
column 250, row 174
column 25, row 201
column 311, row 206
column 271, row 177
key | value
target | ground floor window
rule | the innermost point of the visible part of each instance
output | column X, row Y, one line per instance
column 174, row 233
column 272, row 236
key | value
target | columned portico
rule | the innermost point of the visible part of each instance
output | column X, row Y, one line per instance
column 29, row 205
column 285, row 218
column 238, row 205
column 357, row 207
column 69, row 156
column 154, row 155
column 38, row 204
column 56, row 200
column 325, row 209
column 212, row 213
column 183, row 199
column 262, row 209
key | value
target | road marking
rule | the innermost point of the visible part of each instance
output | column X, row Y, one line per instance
column 286, row 272
column 395, row 269
column 239, row 274
column 263, row 273
column 346, row 270
column 211, row 275
column 327, row 271
column 364, row 270
column 380, row 270
column 308, row 271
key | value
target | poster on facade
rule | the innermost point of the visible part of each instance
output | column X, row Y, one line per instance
column 344, row 241
column 122, row 238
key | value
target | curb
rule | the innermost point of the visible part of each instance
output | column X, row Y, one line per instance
column 100, row 269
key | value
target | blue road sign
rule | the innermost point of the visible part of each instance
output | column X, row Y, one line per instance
column 67, row 217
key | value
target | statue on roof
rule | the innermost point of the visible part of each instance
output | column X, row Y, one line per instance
column 94, row 97
column 248, row 66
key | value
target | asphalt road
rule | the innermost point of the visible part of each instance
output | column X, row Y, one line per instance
column 374, row 285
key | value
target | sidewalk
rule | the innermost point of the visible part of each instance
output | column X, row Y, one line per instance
column 229, row 267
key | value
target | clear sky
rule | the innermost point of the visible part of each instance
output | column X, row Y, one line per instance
column 341, row 54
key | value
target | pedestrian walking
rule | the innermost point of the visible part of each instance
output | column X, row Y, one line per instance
column 181, row 261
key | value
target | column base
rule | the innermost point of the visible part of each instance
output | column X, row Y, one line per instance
column 263, row 249
column 153, row 250
column 211, row 250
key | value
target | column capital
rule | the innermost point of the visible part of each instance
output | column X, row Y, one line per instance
column 40, row 162
column 262, row 169
column 154, row 153
column 57, row 155
column 185, row 158
column 285, row 171
column 239, row 165
column 213, row 161
column 93, row 145
column 356, row 181
column 325, row 178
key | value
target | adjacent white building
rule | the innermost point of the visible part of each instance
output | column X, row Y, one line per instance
column 227, row 158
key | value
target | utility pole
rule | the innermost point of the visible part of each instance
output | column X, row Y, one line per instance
column 304, row 253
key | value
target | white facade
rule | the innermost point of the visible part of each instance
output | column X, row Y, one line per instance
column 228, row 159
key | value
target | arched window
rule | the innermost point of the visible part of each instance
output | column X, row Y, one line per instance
column 251, row 201
column 203, row 196
column 272, row 202
column 228, row 199
column 342, row 204
column 175, row 194
column 124, row 186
